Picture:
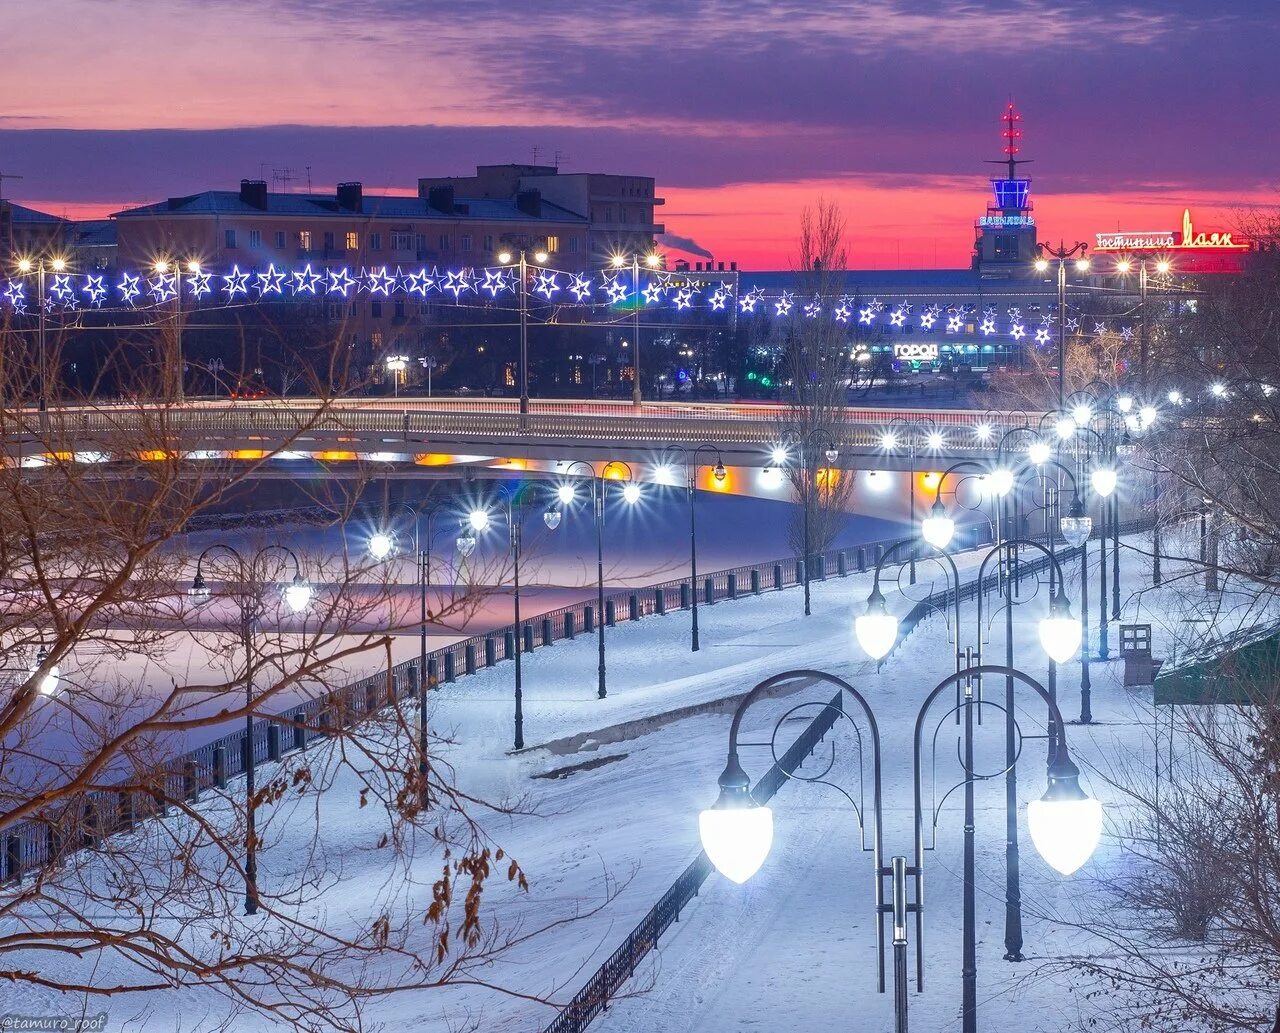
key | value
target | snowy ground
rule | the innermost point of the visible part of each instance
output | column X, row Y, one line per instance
column 794, row 949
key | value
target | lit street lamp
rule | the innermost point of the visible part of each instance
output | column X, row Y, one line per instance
column 1065, row 824
column 172, row 267
column 57, row 264
column 297, row 597
column 1062, row 254
column 522, row 266
column 651, row 260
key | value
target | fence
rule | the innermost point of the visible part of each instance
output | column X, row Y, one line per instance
column 594, row 997
column 36, row 843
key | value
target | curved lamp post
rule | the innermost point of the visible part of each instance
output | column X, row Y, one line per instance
column 691, row 468
column 297, row 597
column 1065, row 824
column 631, row 495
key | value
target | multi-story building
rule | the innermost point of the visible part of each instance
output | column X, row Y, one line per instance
column 619, row 210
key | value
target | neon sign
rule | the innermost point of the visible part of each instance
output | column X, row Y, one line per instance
column 1000, row 222
column 1189, row 239
column 916, row 352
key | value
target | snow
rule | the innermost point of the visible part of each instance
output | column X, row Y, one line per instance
column 792, row 949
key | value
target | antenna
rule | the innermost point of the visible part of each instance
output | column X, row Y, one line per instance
column 536, row 150
column 1011, row 134
column 560, row 156
column 308, row 179
column 281, row 178
column 3, row 177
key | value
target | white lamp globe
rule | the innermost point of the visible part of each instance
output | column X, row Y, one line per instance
column 877, row 629
column 466, row 544
column 736, row 833
column 478, row 519
column 49, row 683
column 1065, row 824
column 1060, row 632
column 1065, row 427
column 631, row 493
column 551, row 518
column 1038, row 452
column 298, row 594
column 565, row 493
column 380, row 545
column 1082, row 414
column 1002, row 481
column 1104, row 481
column 937, row 528
column 1075, row 526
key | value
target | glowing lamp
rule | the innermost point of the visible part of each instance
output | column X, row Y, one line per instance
column 888, row 441
column 1104, row 481
column 877, row 629
column 1075, row 526
column 478, row 519
column 877, row 480
column 1065, row 824
column 1163, row 266
column 49, row 683
column 652, row 260
column 832, row 454
column 631, row 493
column 161, row 266
column 24, row 265
column 466, row 544
column 1219, row 390
column 1038, row 452
column 1065, row 427
column 736, row 832
column 719, row 472
column 935, row 440
column 1124, row 403
column 771, row 477
column 1124, row 265
column 199, row 587
column 1002, row 481
column 58, row 264
column 551, row 518
column 504, row 257
column 540, row 257
column 1082, row 265
column 618, row 261
column 1082, row 414
column 983, row 431
column 297, row 595
column 1175, row 397
column 1147, row 415
column 380, row 545
column 779, row 455
column 1042, row 265
column 566, row 493
column 1060, row 632
column 937, row 528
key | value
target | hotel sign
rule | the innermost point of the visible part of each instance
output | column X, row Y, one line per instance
column 1170, row 240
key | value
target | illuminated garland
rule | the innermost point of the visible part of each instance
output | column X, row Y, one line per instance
column 678, row 291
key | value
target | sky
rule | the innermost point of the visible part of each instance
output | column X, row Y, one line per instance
column 745, row 111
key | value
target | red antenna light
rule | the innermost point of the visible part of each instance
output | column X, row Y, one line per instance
column 1011, row 133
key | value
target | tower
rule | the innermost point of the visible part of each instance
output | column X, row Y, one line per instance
column 1006, row 241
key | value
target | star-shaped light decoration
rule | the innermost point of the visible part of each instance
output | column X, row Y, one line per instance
column 96, row 289
column 1042, row 335
column 813, row 309
column 928, row 318
column 61, row 288
column 128, row 288
column 340, row 282
column 495, row 282
column 581, row 287
column 842, row 312
column 1099, row 329
column 1017, row 331
column 717, row 300
column 199, row 284
column 1127, row 333
column 988, row 326
column 236, row 282
column 684, row 298
column 270, row 282
column 1046, row 319
column 420, row 282
column 305, row 280
column 898, row 317
column 747, row 302
column 616, row 290
column 48, row 303
column 547, row 284
column 783, row 305
column 163, row 288
column 877, row 306
column 457, row 283
column 867, row 315
column 71, row 304
column 16, row 292
column 954, row 322
column 1015, row 313
column 379, row 281
column 1073, row 325
column 652, row 293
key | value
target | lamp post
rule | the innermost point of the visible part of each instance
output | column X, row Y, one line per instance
column 1062, row 254
column 691, row 467
column 297, row 597
column 57, row 264
column 737, row 831
column 522, row 267
column 165, row 267
column 631, row 495
column 396, row 365
column 651, row 260
column 913, row 431
column 382, row 544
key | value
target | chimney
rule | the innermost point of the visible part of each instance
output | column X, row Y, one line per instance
column 733, row 266
column 441, row 199
column 721, row 267
column 350, row 196
column 253, row 192
column 530, row 202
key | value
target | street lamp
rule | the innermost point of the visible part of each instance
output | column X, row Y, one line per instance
column 296, row 596
column 165, row 267
column 396, row 365
column 651, row 261
column 48, row 685
column 1061, row 254
column 522, row 264
column 914, row 433
column 691, row 467
column 737, row 830
column 56, row 264
column 631, row 495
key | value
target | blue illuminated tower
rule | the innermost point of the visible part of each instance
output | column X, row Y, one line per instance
column 1006, row 242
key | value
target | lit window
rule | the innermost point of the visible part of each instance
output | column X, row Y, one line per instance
column 304, row 240
column 353, row 240
column 553, row 244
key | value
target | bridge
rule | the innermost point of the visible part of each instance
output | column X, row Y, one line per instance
column 410, row 434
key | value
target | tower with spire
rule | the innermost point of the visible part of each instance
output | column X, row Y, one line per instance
column 1006, row 236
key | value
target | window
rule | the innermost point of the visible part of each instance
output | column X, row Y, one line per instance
column 402, row 242
column 353, row 240
column 304, row 240
column 255, row 238
column 280, row 240
column 553, row 244
column 375, row 241
column 466, row 242
column 376, row 310
column 328, row 241
column 488, row 242
column 399, row 310
column 573, row 245
column 420, row 241
column 444, row 242
column 231, row 238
